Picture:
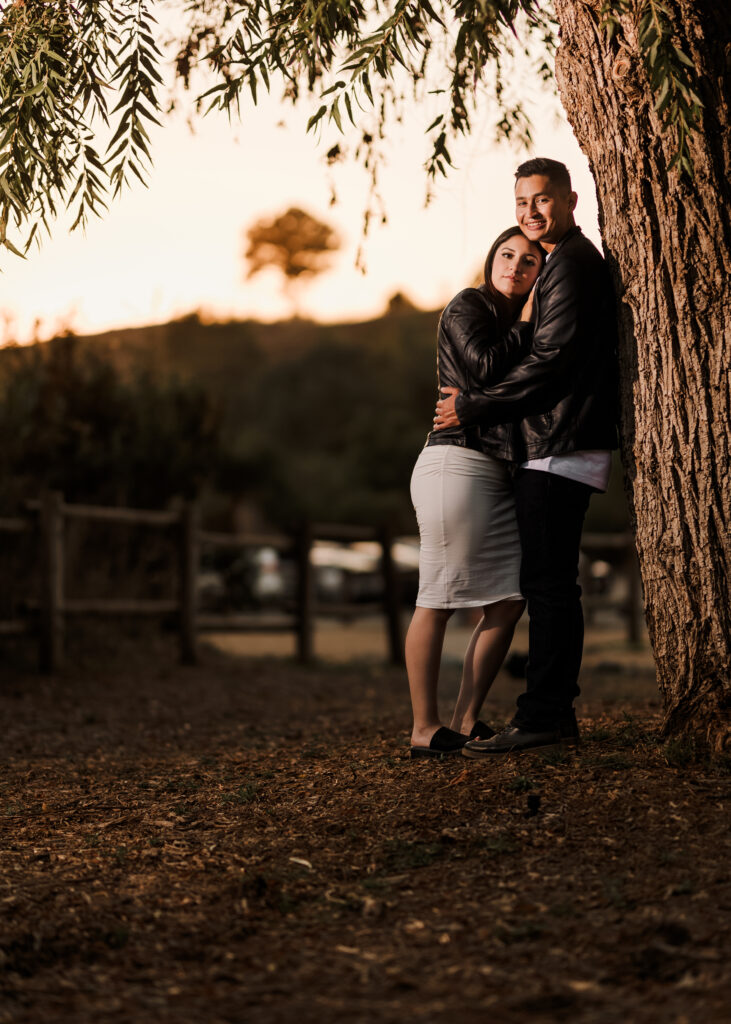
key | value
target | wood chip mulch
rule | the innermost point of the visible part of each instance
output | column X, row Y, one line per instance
column 248, row 842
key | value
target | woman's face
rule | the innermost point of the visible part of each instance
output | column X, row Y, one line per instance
column 515, row 267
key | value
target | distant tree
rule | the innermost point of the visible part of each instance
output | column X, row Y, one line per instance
column 296, row 244
column 400, row 303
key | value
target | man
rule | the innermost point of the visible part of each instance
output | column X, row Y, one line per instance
column 561, row 400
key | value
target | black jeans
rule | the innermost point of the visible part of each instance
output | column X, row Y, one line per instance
column 550, row 511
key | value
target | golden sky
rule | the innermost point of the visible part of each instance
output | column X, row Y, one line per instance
column 176, row 246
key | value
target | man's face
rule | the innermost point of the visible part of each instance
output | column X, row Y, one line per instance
column 544, row 211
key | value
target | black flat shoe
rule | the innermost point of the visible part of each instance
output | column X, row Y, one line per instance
column 444, row 743
column 481, row 731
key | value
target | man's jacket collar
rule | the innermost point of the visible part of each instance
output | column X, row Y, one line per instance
column 571, row 233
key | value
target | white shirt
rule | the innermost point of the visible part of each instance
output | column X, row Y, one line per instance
column 590, row 467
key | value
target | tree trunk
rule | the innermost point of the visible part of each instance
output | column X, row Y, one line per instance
column 668, row 242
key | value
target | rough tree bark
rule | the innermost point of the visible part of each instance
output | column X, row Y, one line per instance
column 669, row 244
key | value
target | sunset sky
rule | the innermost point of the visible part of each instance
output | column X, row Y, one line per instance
column 177, row 246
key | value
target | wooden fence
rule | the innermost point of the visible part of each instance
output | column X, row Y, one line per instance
column 47, row 519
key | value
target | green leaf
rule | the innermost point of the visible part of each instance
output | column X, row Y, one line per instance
column 335, row 115
column 333, row 88
column 9, row 245
column 316, row 117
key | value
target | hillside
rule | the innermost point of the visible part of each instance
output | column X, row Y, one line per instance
column 314, row 420
column 223, row 354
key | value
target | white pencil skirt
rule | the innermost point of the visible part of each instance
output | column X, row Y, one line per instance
column 470, row 551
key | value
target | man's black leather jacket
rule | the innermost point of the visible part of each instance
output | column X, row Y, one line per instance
column 564, row 392
column 474, row 351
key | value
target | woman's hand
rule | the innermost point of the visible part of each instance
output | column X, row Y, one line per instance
column 526, row 312
column 445, row 413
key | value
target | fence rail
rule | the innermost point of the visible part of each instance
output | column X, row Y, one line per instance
column 280, row 541
column 8, row 525
column 47, row 519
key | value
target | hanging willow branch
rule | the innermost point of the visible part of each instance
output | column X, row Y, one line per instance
column 61, row 67
column 80, row 82
column 670, row 71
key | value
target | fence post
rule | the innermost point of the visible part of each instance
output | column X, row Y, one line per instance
column 305, row 594
column 391, row 597
column 189, row 560
column 52, row 581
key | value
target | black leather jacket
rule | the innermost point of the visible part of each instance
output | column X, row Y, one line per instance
column 474, row 351
column 564, row 392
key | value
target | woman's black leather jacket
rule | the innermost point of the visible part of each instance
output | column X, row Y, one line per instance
column 564, row 392
column 474, row 351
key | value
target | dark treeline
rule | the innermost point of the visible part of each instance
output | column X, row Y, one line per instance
column 290, row 420
column 70, row 419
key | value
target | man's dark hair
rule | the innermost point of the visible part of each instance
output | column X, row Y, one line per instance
column 554, row 170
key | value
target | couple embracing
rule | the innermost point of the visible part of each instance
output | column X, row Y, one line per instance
column 522, row 438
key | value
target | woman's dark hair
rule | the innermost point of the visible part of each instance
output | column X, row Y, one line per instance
column 501, row 303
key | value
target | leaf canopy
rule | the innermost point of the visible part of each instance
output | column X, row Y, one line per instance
column 80, row 83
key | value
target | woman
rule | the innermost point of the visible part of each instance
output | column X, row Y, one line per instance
column 470, row 552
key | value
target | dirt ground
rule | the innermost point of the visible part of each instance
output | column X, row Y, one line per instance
column 247, row 841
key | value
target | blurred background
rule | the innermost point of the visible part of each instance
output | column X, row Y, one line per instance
column 228, row 335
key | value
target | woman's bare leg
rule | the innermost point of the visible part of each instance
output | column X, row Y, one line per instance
column 424, row 642
column 484, row 656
